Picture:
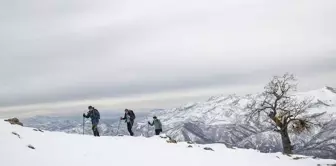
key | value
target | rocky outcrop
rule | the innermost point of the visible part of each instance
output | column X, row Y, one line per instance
column 170, row 140
column 331, row 89
column 31, row 146
column 319, row 102
column 18, row 135
column 14, row 121
column 207, row 148
column 38, row 130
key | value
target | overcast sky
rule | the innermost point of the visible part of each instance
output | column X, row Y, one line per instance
column 59, row 56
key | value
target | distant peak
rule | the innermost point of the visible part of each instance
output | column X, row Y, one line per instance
column 331, row 89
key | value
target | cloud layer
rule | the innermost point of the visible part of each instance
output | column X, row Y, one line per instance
column 66, row 51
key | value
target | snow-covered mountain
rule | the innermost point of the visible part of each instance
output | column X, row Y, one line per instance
column 226, row 110
column 221, row 119
column 25, row 146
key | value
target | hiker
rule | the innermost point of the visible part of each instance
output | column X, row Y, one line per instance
column 157, row 125
column 95, row 116
column 129, row 119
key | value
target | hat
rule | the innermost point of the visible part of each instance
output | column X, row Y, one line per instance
column 154, row 117
column 90, row 107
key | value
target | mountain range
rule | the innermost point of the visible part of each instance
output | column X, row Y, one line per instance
column 220, row 119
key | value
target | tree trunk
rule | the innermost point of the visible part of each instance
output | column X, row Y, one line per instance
column 286, row 143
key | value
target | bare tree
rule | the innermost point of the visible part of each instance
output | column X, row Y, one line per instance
column 284, row 111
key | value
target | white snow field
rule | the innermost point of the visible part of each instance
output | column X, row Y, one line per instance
column 61, row 149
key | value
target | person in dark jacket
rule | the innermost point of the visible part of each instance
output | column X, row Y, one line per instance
column 129, row 119
column 95, row 116
column 157, row 125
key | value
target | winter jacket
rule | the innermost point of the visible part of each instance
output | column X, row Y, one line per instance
column 94, row 115
column 157, row 124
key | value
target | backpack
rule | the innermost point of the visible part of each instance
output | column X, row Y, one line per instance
column 132, row 114
column 95, row 114
column 160, row 124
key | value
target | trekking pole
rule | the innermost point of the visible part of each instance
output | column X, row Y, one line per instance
column 118, row 127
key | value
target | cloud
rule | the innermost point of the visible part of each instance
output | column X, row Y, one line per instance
column 63, row 51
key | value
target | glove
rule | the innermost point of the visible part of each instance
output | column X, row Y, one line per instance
column 121, row 118
column 148, row 122
column 84, row 115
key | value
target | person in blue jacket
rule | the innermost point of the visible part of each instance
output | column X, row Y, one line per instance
column 95, row 116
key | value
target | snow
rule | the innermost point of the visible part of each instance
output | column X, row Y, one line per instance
column 219, row 119
column 324, row 94
column 221, row 110
column 56, row 149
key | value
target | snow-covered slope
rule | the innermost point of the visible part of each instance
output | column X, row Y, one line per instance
column 220, row 120
column 221, row 110
column 55, row 149
column 229, row 109
column 325, row 99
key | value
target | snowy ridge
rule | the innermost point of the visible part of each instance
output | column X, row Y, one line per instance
column 220, row 119
column 325, row 96
column 55, row 149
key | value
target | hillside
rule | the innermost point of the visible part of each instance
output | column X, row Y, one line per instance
column 220, row 119
column 55, row 149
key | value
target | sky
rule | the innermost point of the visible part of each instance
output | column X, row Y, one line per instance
column 59, row 56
